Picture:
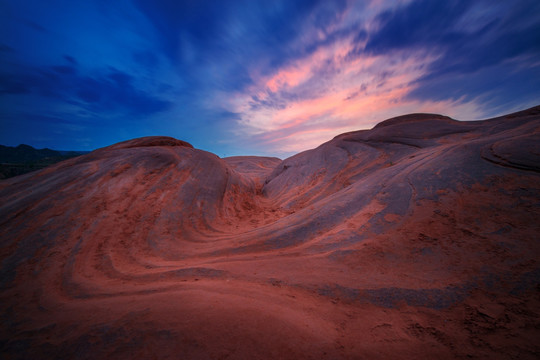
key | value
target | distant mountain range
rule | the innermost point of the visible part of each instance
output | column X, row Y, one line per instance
column 21, row 159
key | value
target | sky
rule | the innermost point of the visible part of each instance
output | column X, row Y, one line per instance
column 256, row 77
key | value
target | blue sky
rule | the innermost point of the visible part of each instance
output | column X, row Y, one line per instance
column 256, row 77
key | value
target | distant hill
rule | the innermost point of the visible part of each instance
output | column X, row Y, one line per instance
column 24, row 158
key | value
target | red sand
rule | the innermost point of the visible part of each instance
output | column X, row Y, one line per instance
column 416, row 239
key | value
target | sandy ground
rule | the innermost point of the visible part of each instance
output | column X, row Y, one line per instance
column 417, row 239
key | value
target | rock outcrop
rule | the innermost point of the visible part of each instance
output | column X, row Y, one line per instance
column 418, row 238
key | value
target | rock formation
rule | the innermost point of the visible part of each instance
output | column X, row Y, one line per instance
column 419, row 238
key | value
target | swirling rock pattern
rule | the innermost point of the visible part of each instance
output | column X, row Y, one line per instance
column 416, row 239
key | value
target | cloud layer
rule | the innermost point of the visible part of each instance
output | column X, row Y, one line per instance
column 244, row 77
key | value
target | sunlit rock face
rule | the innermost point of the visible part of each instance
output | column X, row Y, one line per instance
column 418, row 238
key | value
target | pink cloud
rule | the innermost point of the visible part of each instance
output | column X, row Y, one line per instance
column 287, row 78
column 333, row 90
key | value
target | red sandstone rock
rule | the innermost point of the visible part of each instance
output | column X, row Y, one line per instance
column 416, row 239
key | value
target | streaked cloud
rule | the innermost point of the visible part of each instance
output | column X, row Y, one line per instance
column 245, row 77
column 341, row 86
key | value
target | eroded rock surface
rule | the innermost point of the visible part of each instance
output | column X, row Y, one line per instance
column 418, row 238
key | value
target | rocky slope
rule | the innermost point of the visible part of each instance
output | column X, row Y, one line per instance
column 415, row 239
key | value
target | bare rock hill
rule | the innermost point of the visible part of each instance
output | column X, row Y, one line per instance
column 419, row 238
